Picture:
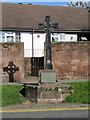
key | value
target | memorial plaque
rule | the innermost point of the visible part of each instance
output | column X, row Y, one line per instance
column 47, row 76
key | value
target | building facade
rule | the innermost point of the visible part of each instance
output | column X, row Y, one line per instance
column 34, row 42
column 19, row 23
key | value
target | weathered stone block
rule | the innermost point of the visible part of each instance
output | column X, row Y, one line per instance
column 12, row 52
column 47, row 76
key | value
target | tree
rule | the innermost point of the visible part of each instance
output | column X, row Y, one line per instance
column 80, row 4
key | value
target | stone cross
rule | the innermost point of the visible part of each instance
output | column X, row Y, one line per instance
column 11, row 69
column 48, row 26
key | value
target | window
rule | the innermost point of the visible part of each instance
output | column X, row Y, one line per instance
column 10, row 39
column 62, row 36
column 10, row 33
column 55, row 39
column 10, row 36
column 17, row 37
column 70, row 37
column 2, row 36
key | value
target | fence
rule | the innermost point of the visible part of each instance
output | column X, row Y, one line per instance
column 33, row 53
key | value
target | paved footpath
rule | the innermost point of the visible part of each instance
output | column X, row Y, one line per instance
column 67, row 81
column 31, row 107
column 36, row 81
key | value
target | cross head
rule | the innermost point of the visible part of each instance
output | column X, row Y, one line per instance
column 11, row 69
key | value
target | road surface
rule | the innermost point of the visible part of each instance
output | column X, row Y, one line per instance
column 47, row 114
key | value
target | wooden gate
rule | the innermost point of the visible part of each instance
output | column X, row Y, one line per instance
column 37, row 63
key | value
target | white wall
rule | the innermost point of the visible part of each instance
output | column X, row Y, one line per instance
column 27, row 39
column 38, row 44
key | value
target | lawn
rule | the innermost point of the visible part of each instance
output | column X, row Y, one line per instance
column 11, row 95
column 81, row 93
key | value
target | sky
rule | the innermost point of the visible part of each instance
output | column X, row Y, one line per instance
column 46, row 2
column 42, row 0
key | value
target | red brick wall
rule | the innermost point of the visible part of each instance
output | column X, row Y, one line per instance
column 70, row 60
column 27, row 62
column 12, row 52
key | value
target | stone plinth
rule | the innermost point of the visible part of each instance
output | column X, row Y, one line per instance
column 48, row 89
column 47, row 76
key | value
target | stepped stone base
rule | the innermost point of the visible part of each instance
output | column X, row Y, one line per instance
column 47, row 92
column 52, row 93
column 61, row 99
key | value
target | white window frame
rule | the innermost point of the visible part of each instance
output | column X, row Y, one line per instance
column 10, row 34
column 56, row 37
column 62, row 36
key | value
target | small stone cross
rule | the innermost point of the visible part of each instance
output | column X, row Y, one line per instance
column 11, row 69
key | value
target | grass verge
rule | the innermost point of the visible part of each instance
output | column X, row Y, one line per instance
column 81, row 93
column 11, row 95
